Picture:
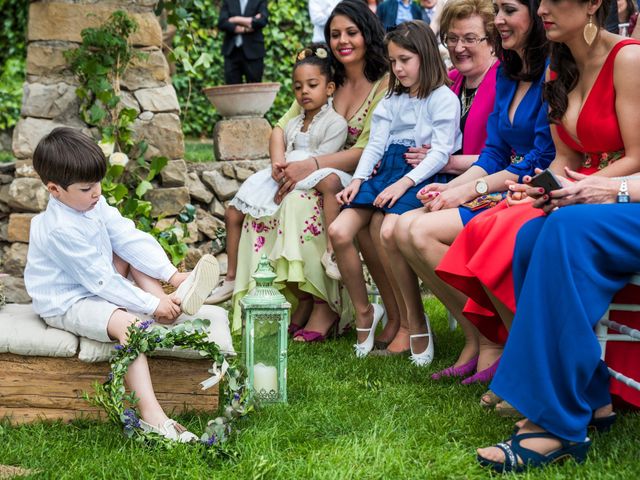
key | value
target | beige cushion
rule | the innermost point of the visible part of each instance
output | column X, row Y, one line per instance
column 23, row 332
column 93, row 351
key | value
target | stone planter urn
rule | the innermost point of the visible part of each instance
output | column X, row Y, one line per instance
column 243, row 133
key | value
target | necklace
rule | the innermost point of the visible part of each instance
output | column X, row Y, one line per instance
column 466, row 99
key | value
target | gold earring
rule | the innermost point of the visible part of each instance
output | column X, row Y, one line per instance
column 590, row 31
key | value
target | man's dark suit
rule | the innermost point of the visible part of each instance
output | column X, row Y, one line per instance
column 248, row 59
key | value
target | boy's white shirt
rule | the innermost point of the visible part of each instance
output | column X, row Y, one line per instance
column 437, row 123
column 71, row 257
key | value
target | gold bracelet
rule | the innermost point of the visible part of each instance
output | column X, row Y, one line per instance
column 317, row 164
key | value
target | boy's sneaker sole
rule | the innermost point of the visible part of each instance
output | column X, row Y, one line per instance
column 197, row 287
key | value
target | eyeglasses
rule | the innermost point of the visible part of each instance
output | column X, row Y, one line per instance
column 451, row 41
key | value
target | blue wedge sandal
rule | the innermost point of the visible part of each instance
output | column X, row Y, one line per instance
column 530, row 458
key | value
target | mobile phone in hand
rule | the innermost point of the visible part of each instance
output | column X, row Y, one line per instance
column 546, row 180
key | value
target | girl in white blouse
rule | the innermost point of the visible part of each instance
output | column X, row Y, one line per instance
column 318, row 130
column 419, row 110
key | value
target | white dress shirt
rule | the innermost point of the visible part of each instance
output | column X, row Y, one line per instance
column 434, row 121
column 319, row 11
column 237, row 40
column 71, row 257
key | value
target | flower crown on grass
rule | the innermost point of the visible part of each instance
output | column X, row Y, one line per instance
column 145, row 338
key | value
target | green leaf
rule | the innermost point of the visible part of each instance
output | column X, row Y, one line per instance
column 142, row 188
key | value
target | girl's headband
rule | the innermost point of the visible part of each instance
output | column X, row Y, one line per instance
column 319, row 52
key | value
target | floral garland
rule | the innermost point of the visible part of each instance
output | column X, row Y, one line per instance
column 145, row 338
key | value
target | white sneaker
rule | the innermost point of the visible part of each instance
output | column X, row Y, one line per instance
column 328, row 261
column 171, row 430
column 222, row 292
column 195, row 289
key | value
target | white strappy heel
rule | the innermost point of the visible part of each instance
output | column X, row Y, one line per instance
column 426, row 357
column 363, row 349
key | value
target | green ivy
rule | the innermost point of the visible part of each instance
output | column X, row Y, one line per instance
column 197, row 49
column 99, row 63
column 13, row 28
column 287, row 31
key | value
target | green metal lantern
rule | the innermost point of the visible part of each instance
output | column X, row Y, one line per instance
column 265, row 314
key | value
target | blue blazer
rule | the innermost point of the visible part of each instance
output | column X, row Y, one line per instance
column 387, row 12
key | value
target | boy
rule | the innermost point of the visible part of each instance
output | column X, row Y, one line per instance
column 81, row 252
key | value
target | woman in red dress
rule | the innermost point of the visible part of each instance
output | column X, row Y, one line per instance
column 588, row 139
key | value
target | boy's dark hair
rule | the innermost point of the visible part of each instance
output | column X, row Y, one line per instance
column 316, row 54
column 417, row 37
column 67, row 156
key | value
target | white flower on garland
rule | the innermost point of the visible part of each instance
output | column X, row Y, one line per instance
column 107, row 148
column 118, row 158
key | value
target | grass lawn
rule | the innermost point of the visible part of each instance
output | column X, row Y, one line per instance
column 196, row 150
column 375, row 418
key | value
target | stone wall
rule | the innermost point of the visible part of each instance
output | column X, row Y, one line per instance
column 208, row 186
column 50, row 101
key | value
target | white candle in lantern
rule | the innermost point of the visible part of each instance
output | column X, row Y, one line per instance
column 265, row 378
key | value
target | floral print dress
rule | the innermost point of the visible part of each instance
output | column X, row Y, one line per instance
column 294, row 238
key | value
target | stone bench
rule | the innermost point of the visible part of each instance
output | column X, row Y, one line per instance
column 46, row 371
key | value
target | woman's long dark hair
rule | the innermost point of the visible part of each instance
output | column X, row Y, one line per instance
column 535, row 51
column 556, row 91
column 371, row 29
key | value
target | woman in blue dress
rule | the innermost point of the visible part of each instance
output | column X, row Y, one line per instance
column 568, row 265
column 518, row 141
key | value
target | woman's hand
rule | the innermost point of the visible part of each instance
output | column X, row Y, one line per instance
column 516, row 196
column 393, row 192
column 586, row 189
column 415, row 155
column 428, row 192
column 346, row 196
column 292, row 173
column 452, row 197
column 296, row 171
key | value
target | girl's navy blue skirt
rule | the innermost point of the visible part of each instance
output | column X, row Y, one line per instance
column 393, row 167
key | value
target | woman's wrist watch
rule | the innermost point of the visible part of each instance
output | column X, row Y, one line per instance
column 623, row 193
column 482, row 187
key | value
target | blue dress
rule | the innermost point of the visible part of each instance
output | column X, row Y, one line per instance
column 519, row 147
column 392, row 168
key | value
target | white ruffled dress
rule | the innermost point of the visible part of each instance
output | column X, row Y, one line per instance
column 326, row 134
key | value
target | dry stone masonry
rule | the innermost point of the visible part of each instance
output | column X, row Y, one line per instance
column 50, row 101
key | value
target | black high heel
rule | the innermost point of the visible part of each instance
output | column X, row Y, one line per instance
column 602, row 424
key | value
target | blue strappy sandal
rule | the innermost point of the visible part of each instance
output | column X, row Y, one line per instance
column 576, row 450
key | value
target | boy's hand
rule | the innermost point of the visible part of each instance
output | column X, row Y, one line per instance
column 168, row 310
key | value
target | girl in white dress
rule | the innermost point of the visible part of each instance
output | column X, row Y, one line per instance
column 318, row 130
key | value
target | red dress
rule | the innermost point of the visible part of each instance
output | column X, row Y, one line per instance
column 483, row 252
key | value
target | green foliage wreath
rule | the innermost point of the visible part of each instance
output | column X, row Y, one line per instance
column 144, row 338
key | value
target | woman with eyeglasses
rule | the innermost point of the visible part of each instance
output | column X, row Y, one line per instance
column 518, row 141
column 469, row 35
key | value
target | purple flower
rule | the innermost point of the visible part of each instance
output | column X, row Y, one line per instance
column 144, row 325
column 236, row 396
column 118, row 346
column 130, row 419
column 110, row 377
column 212, row 440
